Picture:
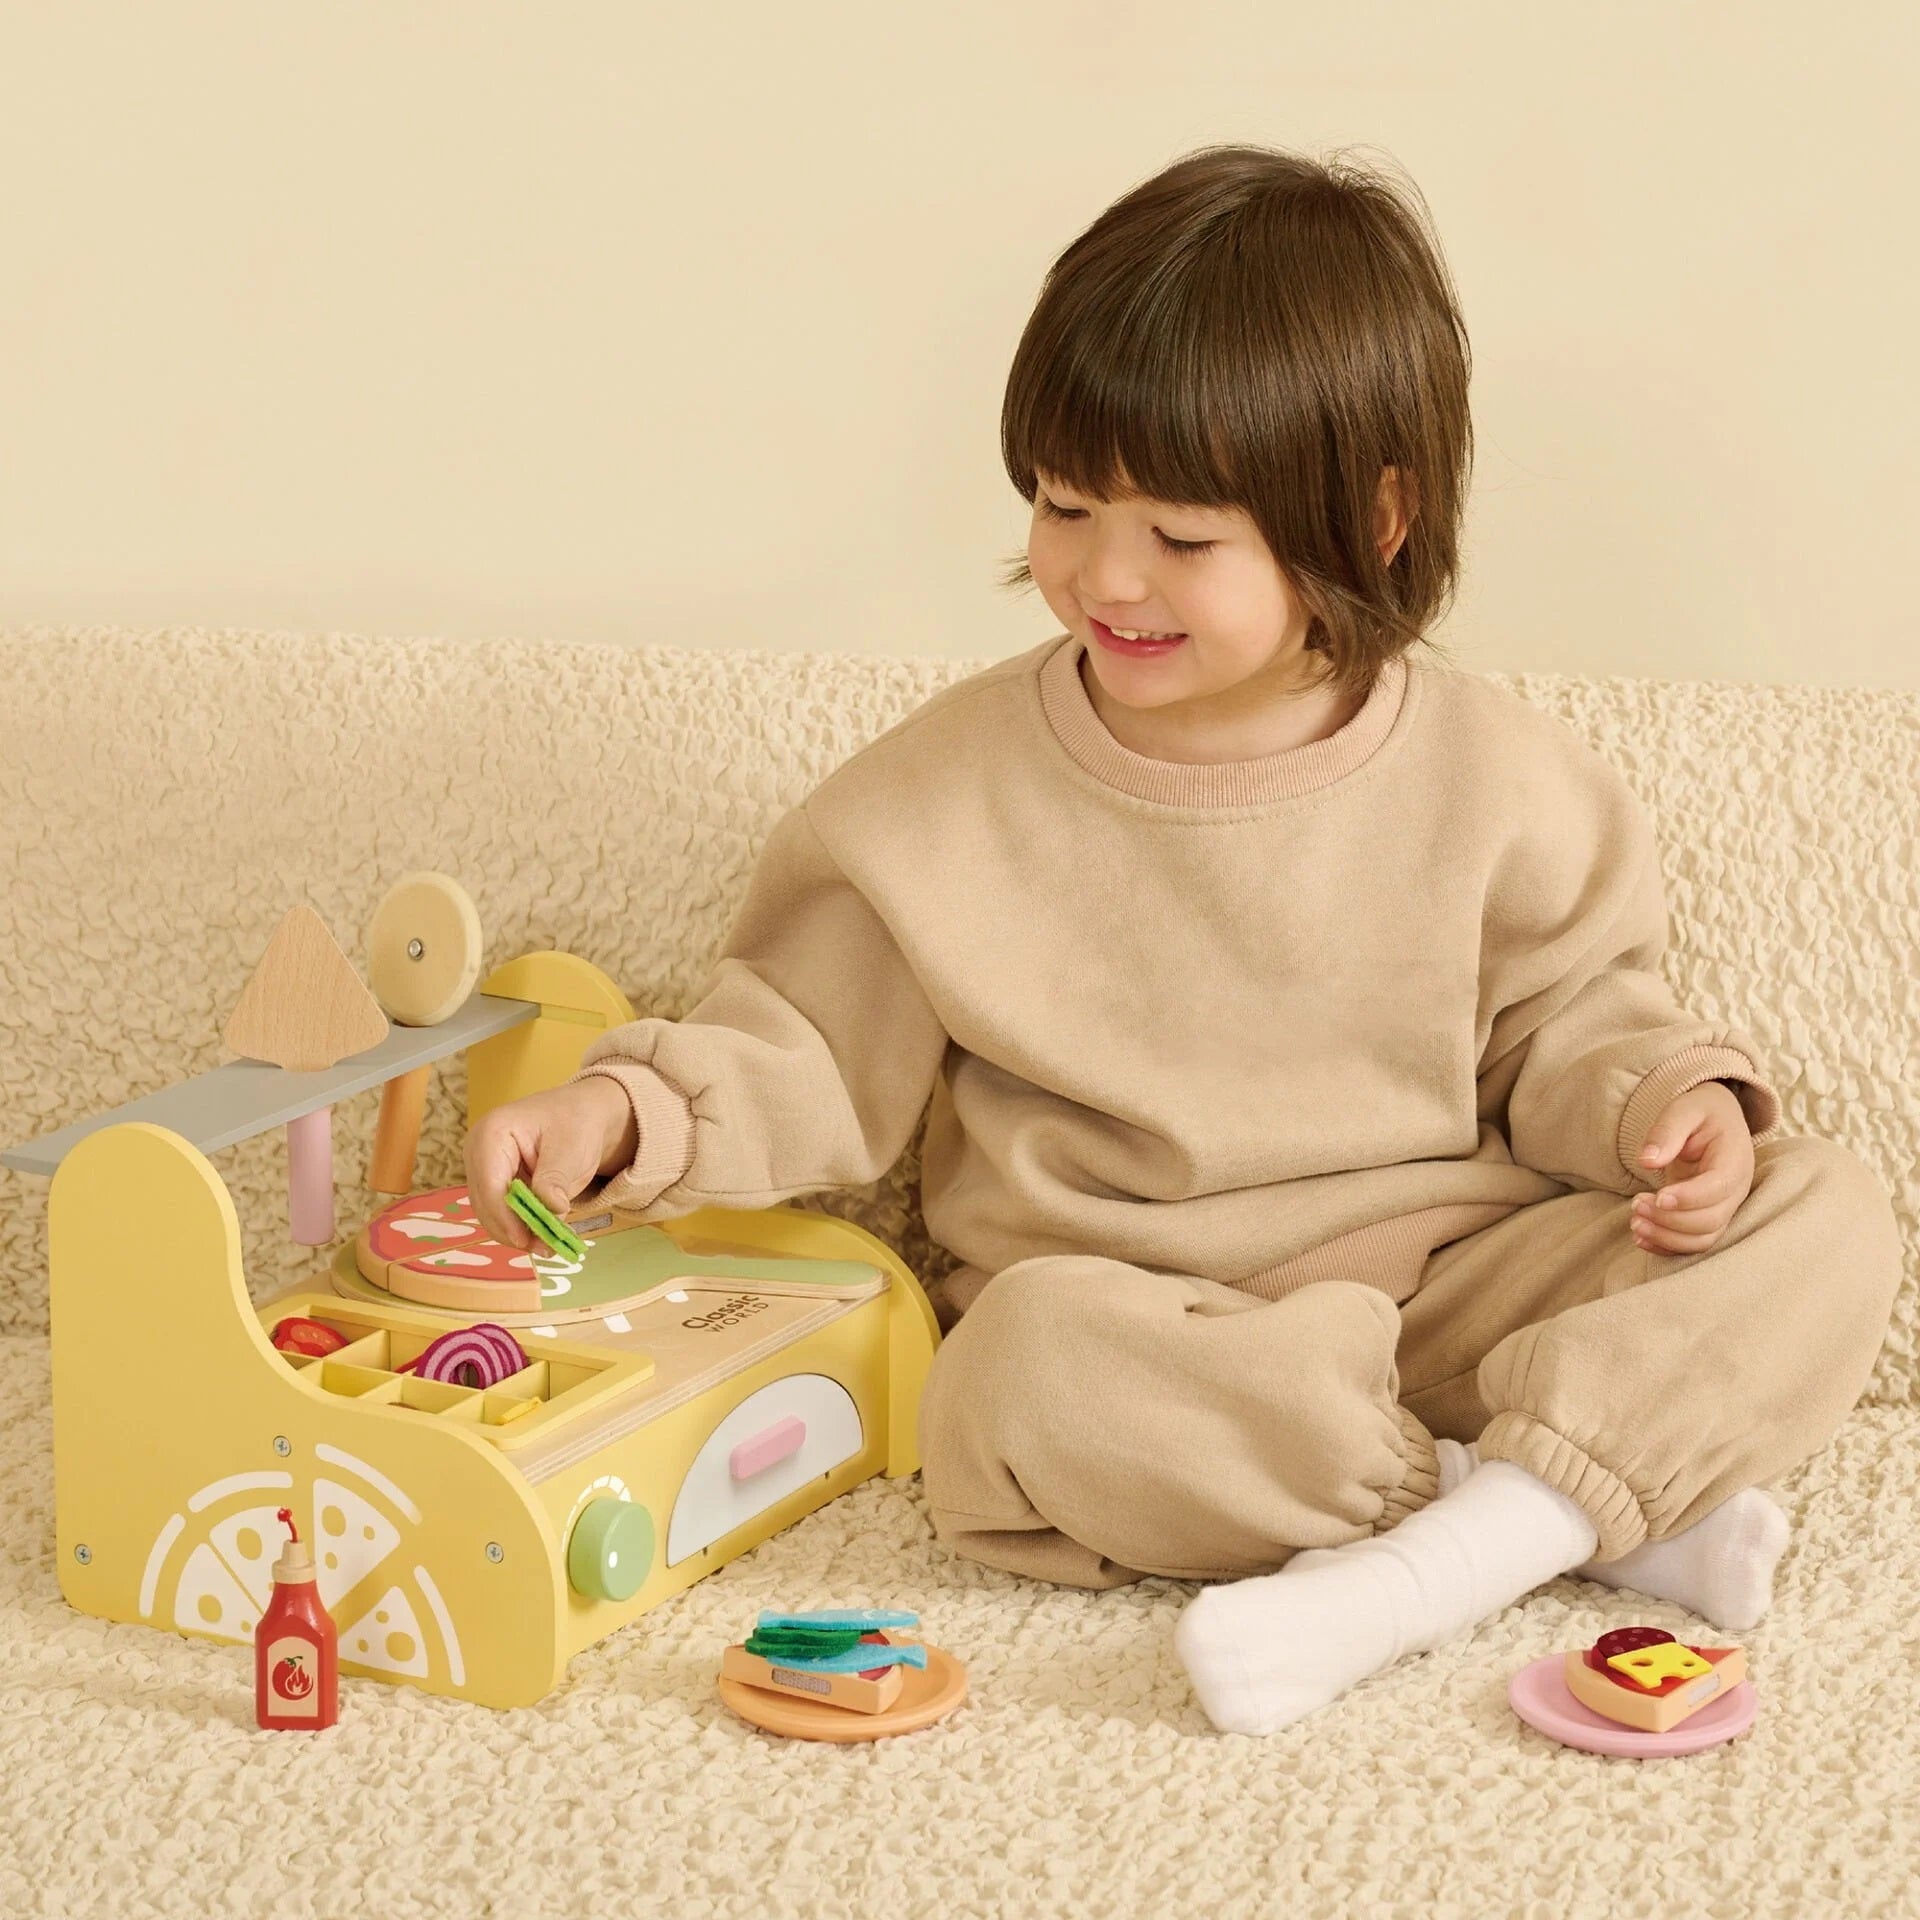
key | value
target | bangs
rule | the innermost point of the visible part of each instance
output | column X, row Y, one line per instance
column 1149, row 416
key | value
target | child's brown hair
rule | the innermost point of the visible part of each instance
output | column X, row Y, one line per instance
column 1252, row 328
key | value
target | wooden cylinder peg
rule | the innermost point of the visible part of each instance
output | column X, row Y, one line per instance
column 396, row 1138
column 310, row 1177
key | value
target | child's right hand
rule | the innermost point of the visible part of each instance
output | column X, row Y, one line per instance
column 558, row 1141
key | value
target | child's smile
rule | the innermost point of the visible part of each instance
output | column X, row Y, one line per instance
column 1237, row 684
column 1133, row 644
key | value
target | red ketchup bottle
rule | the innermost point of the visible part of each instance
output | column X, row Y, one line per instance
column 296, row 1654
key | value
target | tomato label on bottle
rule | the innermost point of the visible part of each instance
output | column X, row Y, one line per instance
column 293, row 1677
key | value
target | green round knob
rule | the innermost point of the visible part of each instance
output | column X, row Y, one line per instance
column 611, row 1549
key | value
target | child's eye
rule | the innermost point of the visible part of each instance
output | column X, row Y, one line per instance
column 1182, row 547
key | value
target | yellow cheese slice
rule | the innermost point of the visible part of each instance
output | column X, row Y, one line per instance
column 1649, row 1666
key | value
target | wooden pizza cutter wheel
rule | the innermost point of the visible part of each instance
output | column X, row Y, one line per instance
column 424, row 949
column 914, row 1697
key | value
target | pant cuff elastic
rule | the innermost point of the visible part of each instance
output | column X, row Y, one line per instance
column 1608, row 1501
column 1420, row 1485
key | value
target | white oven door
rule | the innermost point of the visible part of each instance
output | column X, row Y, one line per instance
column 774, row 1441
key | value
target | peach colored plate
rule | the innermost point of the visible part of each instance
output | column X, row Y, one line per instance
column 1538, row 1694
column 929, row 1693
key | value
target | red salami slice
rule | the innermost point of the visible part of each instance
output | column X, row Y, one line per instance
column 1629, row 1640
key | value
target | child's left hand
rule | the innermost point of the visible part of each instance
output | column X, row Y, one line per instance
column 1702, row 1135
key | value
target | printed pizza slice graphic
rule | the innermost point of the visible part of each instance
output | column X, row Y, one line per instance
column 228, row 1578
column 248, row 1542
column 352, row 1540
column 226, row 1542
column 386, row 1636
column 208, row 1599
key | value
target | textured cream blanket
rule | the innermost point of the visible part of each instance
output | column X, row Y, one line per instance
column 165, row 796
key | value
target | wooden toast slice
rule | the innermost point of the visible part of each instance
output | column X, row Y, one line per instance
column 852, row 1690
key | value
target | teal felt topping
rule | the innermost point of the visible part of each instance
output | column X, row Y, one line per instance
column 866, row 1618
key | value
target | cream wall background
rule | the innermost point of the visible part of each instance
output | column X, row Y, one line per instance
column 597, row 322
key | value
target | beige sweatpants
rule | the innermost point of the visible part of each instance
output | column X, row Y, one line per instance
column 1087, row 1421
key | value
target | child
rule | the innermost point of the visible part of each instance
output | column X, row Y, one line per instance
column 1301, row 1069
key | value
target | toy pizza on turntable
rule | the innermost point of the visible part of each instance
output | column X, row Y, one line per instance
column 1643, row 1677
column 431, row 1249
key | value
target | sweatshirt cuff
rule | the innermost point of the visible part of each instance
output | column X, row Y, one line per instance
column 663, row 1121
column 1692, row 1067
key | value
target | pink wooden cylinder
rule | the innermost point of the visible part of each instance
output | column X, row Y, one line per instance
column 310, row 1177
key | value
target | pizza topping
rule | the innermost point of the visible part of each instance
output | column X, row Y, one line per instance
column 1623, row 1640
column 1647, row 1659
column 1652, row 1668
column 296, row 1334
column 481, row 1355
column 437, row 1232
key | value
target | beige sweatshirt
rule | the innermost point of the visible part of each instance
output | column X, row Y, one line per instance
column 1271, row 1021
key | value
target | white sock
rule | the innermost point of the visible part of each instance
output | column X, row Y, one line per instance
column 1262, row 1652
column 1721, row 1567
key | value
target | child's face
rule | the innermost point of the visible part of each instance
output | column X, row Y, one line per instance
column 1245, row 629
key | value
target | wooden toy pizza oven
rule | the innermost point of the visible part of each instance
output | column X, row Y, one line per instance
column 471, row 1540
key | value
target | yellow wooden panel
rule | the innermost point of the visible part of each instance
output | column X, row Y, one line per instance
column 178, row 1429
column 577, row 1004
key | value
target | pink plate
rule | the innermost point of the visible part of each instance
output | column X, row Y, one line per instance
column 1538, row 1694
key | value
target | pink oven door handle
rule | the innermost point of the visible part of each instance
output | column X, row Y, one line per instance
column 771, row 1444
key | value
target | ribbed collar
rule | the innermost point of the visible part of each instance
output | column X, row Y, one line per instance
column 1228, row 783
